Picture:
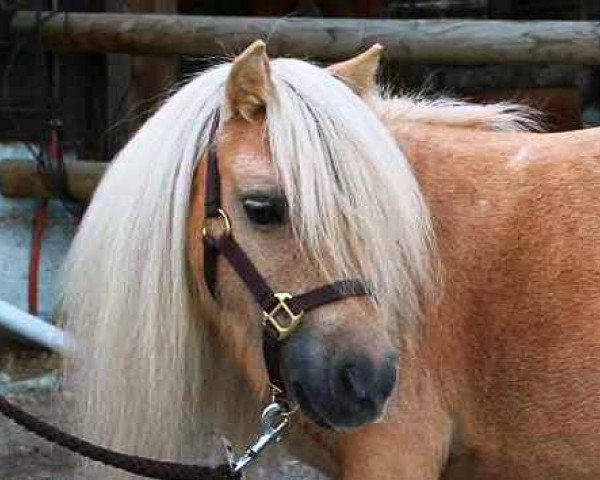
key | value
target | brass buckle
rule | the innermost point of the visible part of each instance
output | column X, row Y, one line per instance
column 225, row 224
column 283, row 330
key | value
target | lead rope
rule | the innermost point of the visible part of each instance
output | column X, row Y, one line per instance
column 145, row 467
column 275, row 420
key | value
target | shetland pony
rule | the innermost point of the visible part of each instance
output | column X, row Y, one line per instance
column 478, row 241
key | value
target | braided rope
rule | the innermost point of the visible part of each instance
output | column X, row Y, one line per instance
column 145, row 467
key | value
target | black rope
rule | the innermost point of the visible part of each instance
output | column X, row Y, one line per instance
column 145, row 467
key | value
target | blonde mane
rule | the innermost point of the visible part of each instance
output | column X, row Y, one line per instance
column 502, row 116
column 146, row 385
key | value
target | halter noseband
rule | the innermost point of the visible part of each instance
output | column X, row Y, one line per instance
column 282, row 312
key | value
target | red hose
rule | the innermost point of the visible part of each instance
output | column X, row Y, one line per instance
column 39, row 225
column 35, row 256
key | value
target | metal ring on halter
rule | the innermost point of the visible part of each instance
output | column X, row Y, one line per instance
column 225, row 223
column 278, row 396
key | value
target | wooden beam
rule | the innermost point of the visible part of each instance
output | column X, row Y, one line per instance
column 441, row 41
column 20, row 178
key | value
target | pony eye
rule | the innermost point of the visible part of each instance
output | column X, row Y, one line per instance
column 265, row 211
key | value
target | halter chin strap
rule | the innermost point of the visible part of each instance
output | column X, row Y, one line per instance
column 282, row 312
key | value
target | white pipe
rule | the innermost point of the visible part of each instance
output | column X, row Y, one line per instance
column 36, row 330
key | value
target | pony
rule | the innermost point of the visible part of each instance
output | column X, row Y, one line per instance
column 476, row 235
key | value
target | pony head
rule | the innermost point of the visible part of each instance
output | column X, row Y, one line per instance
column 317, row 191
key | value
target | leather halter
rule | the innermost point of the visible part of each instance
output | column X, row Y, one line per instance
column 275, row 306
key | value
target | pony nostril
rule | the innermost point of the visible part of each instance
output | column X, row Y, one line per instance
column 354, row 382
column 358, row 384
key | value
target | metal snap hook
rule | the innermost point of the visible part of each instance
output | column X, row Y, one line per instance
column 275, row 418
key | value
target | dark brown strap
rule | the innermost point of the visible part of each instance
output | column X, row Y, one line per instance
column 210, row 267
column 272, row 354
column 263, row 293
column 243, row 266
column 145, row 467
column 327, row 294
column 212, row 204
column 212, row 192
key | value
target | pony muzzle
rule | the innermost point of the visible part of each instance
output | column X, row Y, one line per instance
column 335, row 387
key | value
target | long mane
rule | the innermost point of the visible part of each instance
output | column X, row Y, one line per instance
column 418, row 108
column 146, row 385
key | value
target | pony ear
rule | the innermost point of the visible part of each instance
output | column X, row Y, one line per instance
column 359, row 72
column 248, row 85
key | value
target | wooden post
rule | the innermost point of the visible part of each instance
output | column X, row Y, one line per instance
column 95, row 90
column 151, row 75
column 441, row 41
column 119, row 82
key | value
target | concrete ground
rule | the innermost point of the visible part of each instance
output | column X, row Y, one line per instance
column 25, row 457
column 22, row 455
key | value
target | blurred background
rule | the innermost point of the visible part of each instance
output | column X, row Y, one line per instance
column 100, row 98
column 59, row 105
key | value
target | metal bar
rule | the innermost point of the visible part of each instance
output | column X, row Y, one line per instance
column 35, row 329
column 441, row 41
